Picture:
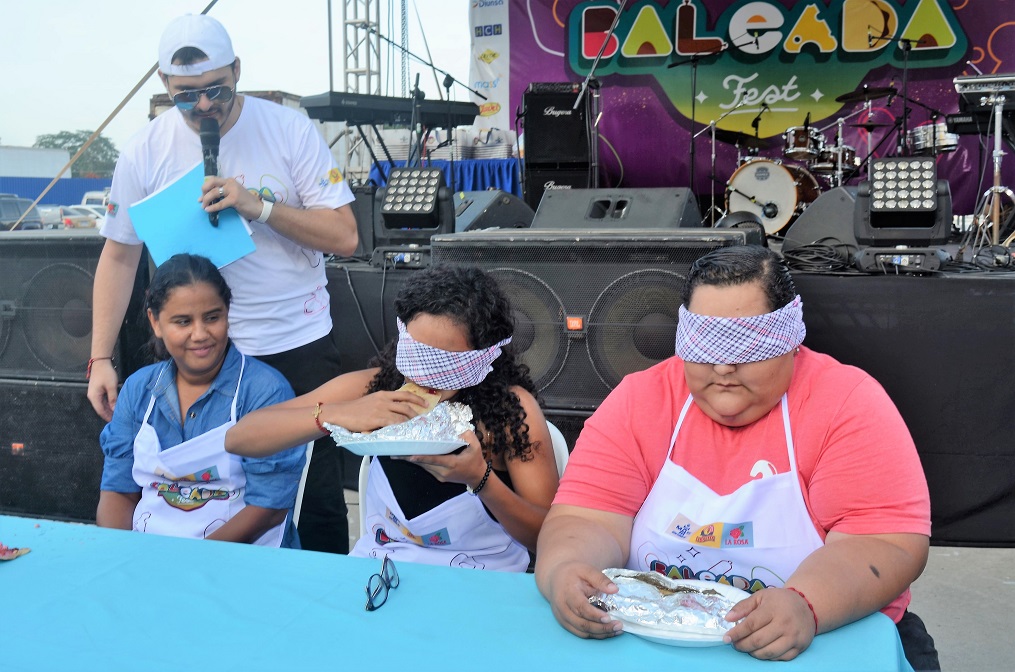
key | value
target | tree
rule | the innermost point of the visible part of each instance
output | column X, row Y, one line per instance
column 97, row 161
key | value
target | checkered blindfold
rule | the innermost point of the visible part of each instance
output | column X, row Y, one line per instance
column 738, row 340
column 442, row 369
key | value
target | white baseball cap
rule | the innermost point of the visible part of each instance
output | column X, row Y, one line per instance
column 199, row 31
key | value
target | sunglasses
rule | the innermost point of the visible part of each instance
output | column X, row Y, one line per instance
column 379, row 584
column 186, row 100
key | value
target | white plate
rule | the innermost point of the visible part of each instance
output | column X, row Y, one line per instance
column 401, row 447
column 675, row 637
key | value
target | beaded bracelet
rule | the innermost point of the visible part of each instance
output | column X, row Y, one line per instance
column 317, row 417
column 809, row 606
column 475, row 491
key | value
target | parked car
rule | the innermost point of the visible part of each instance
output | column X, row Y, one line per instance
column 100, row 198
column 77, row 217
column 11, row 209
column 52, row 216
column 98, row 210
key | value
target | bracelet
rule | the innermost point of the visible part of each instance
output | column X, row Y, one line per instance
column 317, row 417
column 88, row 371
column 266, row 207
column 475, row 491
column 809, row 606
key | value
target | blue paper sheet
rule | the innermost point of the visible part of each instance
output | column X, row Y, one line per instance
column 172, row 221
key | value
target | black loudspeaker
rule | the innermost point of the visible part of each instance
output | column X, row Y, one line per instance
column 555, row 132
column 363, row 209
column 589, row 307
column 491, row 209
column 46, row 306
column 539, row 180
column 50, row 460
column 828, row 221
column 667, row 208
column 362, row 308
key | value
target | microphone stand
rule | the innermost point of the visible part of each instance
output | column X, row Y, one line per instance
column 711, row 128
column 594, row 113
column 693, row 60
column 906, row 44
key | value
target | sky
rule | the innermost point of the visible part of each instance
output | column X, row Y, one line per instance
column 67, row 64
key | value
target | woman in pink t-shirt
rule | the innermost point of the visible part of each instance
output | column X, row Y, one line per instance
column 734, row 437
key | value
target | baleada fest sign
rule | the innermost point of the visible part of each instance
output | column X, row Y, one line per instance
column 759, row 56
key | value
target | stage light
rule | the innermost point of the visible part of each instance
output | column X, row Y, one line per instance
column 903, row 203
column 410, row 199
column 414, row 205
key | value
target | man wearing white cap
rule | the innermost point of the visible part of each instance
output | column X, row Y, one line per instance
column 277, row 172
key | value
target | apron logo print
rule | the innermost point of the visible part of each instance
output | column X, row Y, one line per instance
column 740, row 535
column 188, row 498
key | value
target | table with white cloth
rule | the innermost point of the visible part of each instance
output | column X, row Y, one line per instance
column 87, row 598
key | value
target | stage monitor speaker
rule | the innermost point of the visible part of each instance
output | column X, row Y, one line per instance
column 46, row 306
column 555, row 132
column 589, row 307
column 491, row 209
column 826, row 221
column 50, row 460
column 587, row 209
column 540, row 180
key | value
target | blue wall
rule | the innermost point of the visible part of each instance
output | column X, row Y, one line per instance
column 67, row 191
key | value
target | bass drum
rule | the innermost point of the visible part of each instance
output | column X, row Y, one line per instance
column 775, row 192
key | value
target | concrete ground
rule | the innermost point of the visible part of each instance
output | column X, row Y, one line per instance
column 966, row 596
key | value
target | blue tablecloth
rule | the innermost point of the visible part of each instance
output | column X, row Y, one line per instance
column 87, row 598
column 470, row 174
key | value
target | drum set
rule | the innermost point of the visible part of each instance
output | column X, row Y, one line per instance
column 778, row 189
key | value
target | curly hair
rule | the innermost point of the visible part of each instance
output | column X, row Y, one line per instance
column 470, row 298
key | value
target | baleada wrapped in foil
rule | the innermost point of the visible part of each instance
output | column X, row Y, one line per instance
column 657, row 601
column 445, row 422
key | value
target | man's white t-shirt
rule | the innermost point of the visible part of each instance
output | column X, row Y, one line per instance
column 279, row 296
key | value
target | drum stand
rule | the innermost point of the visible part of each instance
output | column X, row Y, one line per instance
column 988, row 217
column 839, row 124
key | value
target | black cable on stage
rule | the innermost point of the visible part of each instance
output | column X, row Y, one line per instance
column 827, row 255
column 359, row 309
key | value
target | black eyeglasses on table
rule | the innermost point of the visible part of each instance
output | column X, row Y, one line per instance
column 379, row 584
column 186, row 100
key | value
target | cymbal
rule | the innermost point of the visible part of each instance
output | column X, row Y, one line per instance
column 740, row 139
column 871, row 125
column 865, row 93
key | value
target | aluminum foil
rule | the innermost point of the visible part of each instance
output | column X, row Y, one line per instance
column 446, row 422
column 657, row 601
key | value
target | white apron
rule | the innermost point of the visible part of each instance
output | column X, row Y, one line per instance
column 192, row 489
column 752, row 538
column 457, row 533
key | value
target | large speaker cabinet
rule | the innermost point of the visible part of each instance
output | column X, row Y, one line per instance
column 46, row 306
column 589, row 306
column 50, row 460
column 555, row 132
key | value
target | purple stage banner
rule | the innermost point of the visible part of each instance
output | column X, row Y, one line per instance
column 791, row 79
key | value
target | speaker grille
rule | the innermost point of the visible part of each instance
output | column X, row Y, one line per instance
column 46, row 306
column 589, row 307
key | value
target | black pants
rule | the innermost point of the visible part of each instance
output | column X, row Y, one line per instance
column 324, row 522
column 917, row 643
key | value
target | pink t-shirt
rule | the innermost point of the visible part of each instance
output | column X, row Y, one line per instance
column 859, row 470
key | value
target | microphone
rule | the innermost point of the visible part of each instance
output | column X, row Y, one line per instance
column 870, row 38
column 757, row 119
column 210, row 150
column 973, row 66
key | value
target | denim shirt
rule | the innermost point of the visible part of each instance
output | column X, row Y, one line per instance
column 272, row 481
